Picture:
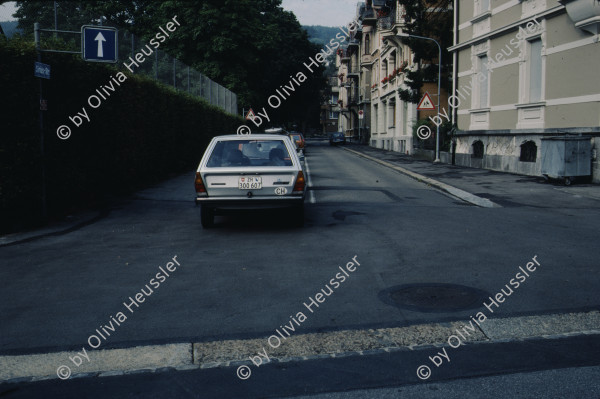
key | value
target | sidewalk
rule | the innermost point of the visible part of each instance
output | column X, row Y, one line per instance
column 484, row 187
column 302, row 347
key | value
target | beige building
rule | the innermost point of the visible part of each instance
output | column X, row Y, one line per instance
column 524, row 70
column 330, row 108
column 371, row 70
column 386, row 60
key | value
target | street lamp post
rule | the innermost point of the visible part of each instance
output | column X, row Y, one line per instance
column 437, row 131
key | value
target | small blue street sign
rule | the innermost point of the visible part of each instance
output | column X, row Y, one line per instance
column 99, row 43
column 41, row 70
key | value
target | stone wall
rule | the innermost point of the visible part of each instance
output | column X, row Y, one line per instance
column 501, row 153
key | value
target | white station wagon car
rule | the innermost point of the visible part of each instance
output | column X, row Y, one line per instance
column 257, row 171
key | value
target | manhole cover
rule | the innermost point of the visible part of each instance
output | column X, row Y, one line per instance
column 434, row 298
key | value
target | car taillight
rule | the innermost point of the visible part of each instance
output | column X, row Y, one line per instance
column 300, row 183
column 200, row 189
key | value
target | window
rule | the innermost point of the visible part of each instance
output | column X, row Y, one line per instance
column 393, row 106
column 249, row 153
column 334, row 98
column 334, row 115
column 528, row 152
column 375, row 113
column 482, row 81
column 477, row 150
column 535, row 71
column 485, row 6
column 367, row 44
column 482, row 6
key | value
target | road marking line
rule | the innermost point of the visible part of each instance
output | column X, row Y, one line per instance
column 311, row 194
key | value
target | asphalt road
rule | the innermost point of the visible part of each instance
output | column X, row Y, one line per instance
column 246, row 277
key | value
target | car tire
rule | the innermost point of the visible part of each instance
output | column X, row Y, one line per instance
column 207, row 217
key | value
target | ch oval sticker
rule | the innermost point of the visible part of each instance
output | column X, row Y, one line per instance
column 281, row 191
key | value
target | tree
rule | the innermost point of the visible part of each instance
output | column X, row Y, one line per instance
column 249, row 46
column 429, row 18
column 260, row 48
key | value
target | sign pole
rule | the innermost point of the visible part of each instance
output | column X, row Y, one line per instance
column 42, row 71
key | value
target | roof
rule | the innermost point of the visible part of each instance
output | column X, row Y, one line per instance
column 252, row 137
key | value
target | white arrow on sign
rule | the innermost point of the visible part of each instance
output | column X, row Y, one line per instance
column 100, row 38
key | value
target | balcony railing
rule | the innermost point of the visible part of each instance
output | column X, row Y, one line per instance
column 345, row 53
column 369, row 13
column 353, row 70
column 365, row 94
column 387, row 20
column 353, row 97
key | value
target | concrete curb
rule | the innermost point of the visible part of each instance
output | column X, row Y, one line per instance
column 456, row 192
column 297, row 347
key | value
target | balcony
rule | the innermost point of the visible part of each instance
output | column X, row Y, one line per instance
column 584, row 13
column 353, row 96
column 387, row 20
column 368, row 17
column 365, row 95
column 345, row 54
column 353, row 71
column 395, row 78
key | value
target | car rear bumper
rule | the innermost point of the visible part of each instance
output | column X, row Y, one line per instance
column 266, row 202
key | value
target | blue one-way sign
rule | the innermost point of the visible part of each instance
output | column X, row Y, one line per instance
column 99, row 43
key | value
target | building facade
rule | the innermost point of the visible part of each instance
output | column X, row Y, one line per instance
column 372, row 71
column 385, row 60
column 330, row 107
column 524, row 70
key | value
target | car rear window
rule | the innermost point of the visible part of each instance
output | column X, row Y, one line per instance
column 297, row 137
column 248, row 153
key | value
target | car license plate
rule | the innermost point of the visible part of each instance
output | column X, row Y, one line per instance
column 250, row 183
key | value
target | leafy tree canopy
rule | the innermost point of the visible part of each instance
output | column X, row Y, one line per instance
column 429, row 18
column 249, row 46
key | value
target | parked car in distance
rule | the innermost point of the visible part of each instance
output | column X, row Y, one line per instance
column 256, row 171
column 276, row 130
column 336, row 138
column 298, row 138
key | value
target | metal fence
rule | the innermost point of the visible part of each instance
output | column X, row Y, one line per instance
column 170, row 71
column 159, row 66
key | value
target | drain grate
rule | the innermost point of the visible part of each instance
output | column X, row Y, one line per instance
column 433, row 297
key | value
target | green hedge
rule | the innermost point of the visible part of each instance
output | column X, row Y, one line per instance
column 141, row 134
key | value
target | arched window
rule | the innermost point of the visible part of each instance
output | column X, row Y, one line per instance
column 528, row 152
column 478, row 149
column 367, row 44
